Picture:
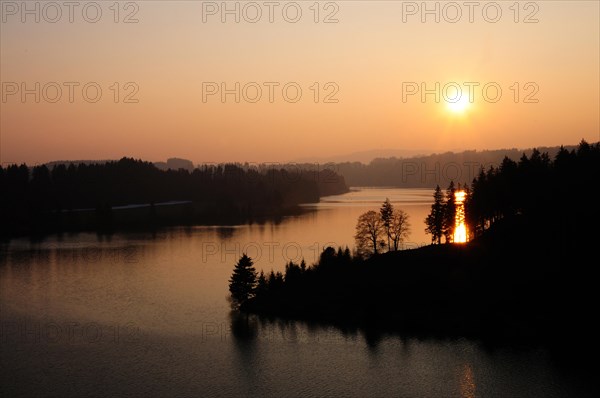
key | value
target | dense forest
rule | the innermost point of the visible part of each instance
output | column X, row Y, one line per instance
column 83, row 196
column 527, row 274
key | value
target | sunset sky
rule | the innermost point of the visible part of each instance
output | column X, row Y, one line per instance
column 371, row 56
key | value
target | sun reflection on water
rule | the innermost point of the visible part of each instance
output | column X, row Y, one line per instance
column 467, row 382
column 460, row 229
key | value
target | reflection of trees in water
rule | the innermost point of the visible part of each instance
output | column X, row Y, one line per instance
column 244, row 330
column 74, row 253
column 248, row 330
column 372, row 338
column 225, row 232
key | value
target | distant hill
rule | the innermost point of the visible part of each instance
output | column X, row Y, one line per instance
column 428, row 171
column 363, row 156
column 175, row 164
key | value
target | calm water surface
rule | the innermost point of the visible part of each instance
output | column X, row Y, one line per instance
column 147, row 315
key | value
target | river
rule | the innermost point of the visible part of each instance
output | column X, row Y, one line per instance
column 146, row 314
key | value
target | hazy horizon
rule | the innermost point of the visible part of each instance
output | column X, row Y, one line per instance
column 359, row 156
column 170, row 60
column 232, row 234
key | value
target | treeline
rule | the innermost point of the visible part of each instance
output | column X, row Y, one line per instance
column 528, row 274
column 428, row 171
column 553, row 194
column 82, row 196
column 484, row 291
column 519, row 292
column 556, row 195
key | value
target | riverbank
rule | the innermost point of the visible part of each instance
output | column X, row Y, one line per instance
column 505, row 286
column 148, row 217
column 128, row 194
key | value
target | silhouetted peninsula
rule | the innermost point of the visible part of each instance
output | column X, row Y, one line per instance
column 527, row 274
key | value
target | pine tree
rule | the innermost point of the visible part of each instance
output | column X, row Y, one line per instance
column 242, row 282
column 435, row 219
column 261, row 285
column 449, row 213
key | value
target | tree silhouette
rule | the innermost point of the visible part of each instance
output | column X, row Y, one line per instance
column 449, row 213
column 435, row 219
column 243, row 282
column 262, row 286
column 369, row 230
column 386, row 212
column 399, row 227
column 538, row 224
column 62, row 196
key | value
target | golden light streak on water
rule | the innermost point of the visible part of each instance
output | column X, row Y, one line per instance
column 460, row 229
column 467, row 383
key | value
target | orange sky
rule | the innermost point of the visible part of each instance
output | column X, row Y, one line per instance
column 369, row 54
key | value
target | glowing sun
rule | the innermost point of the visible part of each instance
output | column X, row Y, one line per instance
column 459, row 103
